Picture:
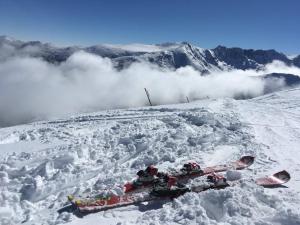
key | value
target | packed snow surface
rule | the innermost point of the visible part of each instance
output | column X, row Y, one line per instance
column 41, row 163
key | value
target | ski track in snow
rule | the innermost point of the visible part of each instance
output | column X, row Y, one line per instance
column 41, row 163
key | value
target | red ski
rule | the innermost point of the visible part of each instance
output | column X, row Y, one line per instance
column 183, row 175
column 114, row 201
column 100, row 204
column 276, row 179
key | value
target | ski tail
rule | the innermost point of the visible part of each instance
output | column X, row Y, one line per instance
column 102, row 204
column 96, row 205
column 274, row 180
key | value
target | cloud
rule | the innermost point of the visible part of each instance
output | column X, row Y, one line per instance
column 32, row 89
column 8, row 50
column 281, row 67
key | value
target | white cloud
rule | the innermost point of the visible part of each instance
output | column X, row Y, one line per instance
column 281, row 67
column 31, row 88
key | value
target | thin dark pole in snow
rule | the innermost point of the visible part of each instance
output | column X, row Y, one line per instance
column 187, row 98
column 148, row 96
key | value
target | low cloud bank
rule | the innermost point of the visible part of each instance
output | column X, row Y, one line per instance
column 32, row 89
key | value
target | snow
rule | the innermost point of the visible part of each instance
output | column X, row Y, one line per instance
column 291, row 57
column 150, row 48
column 136, row 47
column 233, row 175
column 41, row 163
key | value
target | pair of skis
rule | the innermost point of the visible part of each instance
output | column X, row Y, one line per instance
column 95, row 205
column 86, row 205
column 182, row 176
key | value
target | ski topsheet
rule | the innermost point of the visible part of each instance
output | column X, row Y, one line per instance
column 91, row 205
column 240, row 164
column 182, row 176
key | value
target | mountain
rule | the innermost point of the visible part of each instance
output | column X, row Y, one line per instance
column 272, row 84
column 167, row 55
column 296, row 61
column 249, row 59
column 290, row 79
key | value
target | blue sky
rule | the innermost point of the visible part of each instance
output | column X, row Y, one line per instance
column 255, row 24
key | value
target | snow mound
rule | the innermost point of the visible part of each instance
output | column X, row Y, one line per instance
column 247, row 204
column 233, row 175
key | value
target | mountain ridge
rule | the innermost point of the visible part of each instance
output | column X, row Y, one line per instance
column 165, row 55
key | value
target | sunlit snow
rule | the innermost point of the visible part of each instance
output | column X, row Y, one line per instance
column 41, row 163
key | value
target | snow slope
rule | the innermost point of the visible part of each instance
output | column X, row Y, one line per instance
column 41, row 163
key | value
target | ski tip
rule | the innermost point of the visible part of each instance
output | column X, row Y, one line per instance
column 247, row 160
column 275, row 180
column 283, row 175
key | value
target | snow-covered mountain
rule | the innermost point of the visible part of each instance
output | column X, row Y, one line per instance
column 41, row 163
column 290, row 80
column 167, row 55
